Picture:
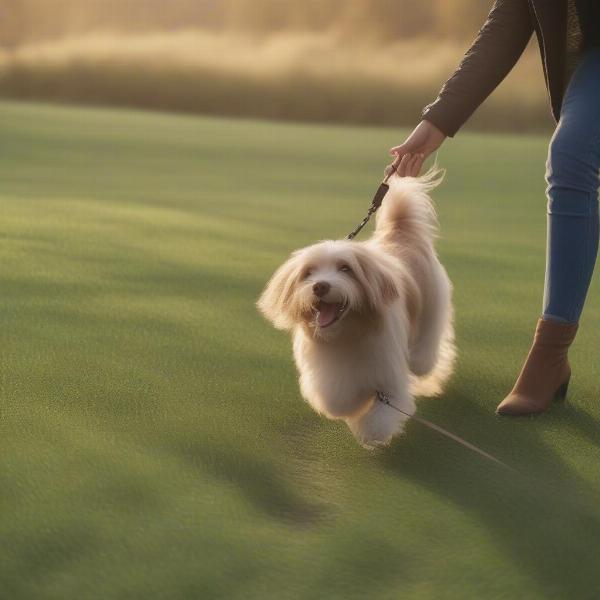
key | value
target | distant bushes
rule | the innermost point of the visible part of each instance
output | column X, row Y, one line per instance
column 301, row 78
column 358, row 61
column 31, row 21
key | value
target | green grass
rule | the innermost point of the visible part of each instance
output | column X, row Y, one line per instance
column 153, row 443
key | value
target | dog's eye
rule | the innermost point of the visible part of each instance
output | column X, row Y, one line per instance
column 345, row 268
column 306, row 274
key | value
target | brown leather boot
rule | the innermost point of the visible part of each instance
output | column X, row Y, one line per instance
column 546, row 372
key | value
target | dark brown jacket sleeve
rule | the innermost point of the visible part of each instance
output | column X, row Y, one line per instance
column 494, row 52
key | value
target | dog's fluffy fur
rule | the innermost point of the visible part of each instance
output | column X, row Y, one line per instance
column 370, row 316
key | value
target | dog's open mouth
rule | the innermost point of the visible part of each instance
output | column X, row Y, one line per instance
column 327, row 313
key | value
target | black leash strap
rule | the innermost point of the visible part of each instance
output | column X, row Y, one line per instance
column 377, row 200
column 382, row 190
column 385, row 399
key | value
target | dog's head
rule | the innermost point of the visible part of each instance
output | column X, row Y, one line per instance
column 330, row 284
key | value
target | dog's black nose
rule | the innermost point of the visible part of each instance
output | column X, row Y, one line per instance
column 321, row 288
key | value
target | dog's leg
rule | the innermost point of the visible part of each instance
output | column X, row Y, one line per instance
column 434, row 325
column 380, row 422
column 433, row 353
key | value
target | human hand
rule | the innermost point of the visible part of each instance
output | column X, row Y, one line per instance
column 410, row 156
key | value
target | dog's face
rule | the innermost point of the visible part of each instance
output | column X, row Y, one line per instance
column 326, row 286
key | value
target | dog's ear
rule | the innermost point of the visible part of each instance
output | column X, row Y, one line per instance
column 276, row 299
column 377, row 277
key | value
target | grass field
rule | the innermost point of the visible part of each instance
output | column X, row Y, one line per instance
column 153, row 443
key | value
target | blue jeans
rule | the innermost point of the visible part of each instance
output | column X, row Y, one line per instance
column 573, row 177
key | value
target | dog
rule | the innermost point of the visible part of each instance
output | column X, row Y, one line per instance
column 372, row 316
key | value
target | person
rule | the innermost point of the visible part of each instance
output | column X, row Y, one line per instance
column 568, row 33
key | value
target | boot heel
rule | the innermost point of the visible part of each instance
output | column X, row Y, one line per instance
column 561, row 392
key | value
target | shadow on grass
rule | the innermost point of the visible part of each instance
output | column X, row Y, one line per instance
column 256, row 478
column 583, row 423
column 545, row 517
column 162, row 341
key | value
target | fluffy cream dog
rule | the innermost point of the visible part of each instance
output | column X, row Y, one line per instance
column 370, row 316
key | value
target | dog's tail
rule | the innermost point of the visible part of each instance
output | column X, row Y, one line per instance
column 407, row 208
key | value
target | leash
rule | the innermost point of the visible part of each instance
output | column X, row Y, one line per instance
column 382, row 190
column 385, row 399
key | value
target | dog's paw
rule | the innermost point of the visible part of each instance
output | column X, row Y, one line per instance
column 371, row 444
column 377, row 426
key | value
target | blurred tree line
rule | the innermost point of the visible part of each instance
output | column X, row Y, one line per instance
column 23, row 21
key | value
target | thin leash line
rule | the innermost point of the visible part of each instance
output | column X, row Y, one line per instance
column 383, row 398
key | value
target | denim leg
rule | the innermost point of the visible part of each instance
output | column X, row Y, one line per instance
column 573, row 177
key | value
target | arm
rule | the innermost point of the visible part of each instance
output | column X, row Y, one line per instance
column 494, row 52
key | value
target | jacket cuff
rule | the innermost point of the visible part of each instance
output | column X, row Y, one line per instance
column 442, row 118
column 449, row 111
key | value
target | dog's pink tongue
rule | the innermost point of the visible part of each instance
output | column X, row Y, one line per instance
column 327, row 313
